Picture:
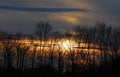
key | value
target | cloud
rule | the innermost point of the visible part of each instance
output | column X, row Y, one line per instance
column 69, row 19
column 21, row 15
column 28, row 9
column 77, row 3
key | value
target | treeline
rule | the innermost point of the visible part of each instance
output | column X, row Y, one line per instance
column 102, row 50
column 107, row 37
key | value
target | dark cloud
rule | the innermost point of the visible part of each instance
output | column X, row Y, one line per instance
column 28, row 9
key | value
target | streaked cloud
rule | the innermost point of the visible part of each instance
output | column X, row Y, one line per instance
column 68, row 19
column 28, row 9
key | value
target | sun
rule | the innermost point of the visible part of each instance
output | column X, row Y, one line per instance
column 67, row 44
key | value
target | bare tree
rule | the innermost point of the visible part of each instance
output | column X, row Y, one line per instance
column 8, row 52
column 43, row 28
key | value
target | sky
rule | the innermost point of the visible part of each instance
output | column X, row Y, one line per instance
column 22, row 15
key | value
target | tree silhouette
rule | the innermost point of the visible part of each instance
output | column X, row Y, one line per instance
column 43, row 28
column 90, row 50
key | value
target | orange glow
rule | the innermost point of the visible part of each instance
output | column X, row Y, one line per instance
column 66, row 46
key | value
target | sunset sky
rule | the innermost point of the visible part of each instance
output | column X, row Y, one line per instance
column 22, row 15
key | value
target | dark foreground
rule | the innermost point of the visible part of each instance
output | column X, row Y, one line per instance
column 112, row 70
